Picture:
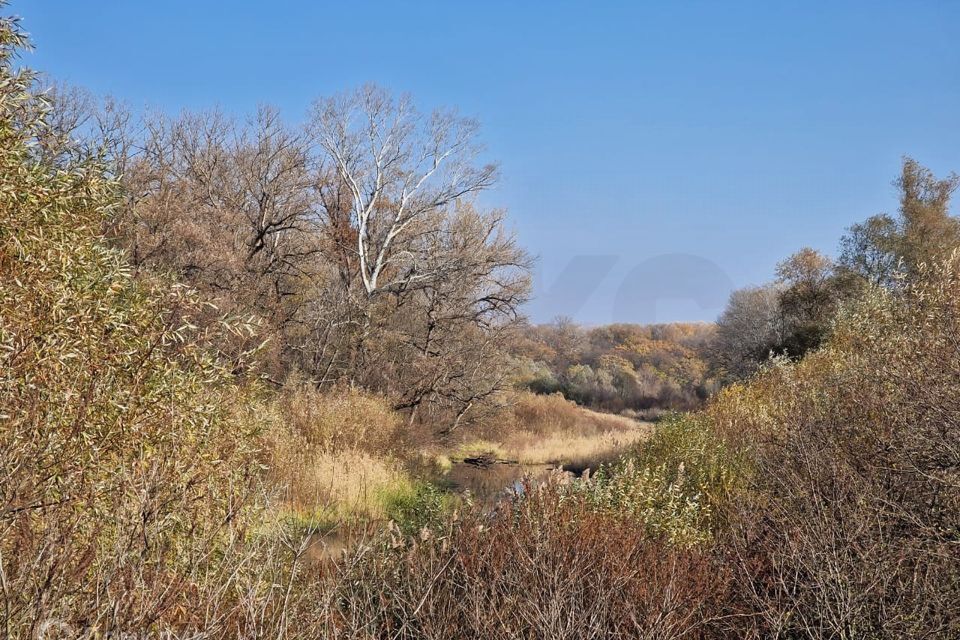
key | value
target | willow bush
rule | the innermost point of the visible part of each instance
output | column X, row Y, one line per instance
column 851, row 524
column 127, row 453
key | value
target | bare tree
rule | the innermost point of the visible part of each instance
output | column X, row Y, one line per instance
column 227, row 205
column 436, row 280
column 400, row 169
column 452, row 332
column 748, row 329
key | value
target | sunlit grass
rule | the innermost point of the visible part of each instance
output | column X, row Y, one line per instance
column 548, row 429
column 478, row 448
column 573, row 449
column 325, row 488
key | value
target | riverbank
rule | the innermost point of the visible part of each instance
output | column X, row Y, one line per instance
column 541, row 435
column 549, row 433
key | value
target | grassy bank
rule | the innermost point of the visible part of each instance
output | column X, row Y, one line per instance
column 549, row 429
column 343, row 457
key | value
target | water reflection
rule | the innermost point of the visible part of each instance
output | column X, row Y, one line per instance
column 487, row 484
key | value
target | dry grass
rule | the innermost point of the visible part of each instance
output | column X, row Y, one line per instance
column 572, row 449
column 326, row 488
column 333, row 456
column 549, row 414
column 343, row 419
column 476, row 448
column 549, row 429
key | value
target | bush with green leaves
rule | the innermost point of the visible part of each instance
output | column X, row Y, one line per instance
column 419, row 506
column 674, row 482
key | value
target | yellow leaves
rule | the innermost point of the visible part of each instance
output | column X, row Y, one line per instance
column 616, row 364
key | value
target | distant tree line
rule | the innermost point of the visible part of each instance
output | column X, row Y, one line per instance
column 639, row 368
column 654, row 368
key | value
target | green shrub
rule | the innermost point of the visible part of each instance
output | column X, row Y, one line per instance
column 418, row 506
column 673, row 482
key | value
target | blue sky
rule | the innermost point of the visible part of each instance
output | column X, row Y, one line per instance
column 653, row 154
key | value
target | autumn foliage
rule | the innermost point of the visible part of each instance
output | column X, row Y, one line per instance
column 219, row 344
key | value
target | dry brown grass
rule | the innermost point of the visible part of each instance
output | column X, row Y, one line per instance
column 328, row 488
column 546, row 566
column 550, row 414
column 549, row 429
column 573, row 450
column 333, row 456
column 345, row 418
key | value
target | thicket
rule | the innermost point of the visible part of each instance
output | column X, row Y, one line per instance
column 853, row 518
column 354, row 238
column 127, row 444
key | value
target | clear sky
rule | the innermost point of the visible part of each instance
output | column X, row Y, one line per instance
column 654, row 155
